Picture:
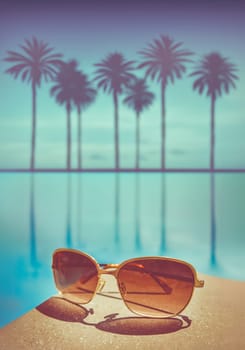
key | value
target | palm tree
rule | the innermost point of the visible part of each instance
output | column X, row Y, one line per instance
column 83, row 97
column 138, row 98
column 36, row 62
column 164, row 60
column 215, row 74
column 65, row 90
column 113, row 75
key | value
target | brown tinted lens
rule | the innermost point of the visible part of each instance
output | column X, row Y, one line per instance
column 156, row 287
column 75, row 275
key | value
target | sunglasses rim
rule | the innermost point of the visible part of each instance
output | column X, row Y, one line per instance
column 193, row 272
column 117, row 267
column 196, row 282
column 75, row 251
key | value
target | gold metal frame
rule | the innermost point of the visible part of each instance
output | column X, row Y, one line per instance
column 113, row 269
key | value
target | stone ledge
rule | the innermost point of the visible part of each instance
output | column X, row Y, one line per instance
column 214, row 319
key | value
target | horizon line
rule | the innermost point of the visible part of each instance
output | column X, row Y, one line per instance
column 122, row 170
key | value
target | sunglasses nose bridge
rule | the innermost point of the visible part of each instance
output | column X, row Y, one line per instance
column 109, row 269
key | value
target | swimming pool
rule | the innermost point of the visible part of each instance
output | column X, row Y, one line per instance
column 114, row 217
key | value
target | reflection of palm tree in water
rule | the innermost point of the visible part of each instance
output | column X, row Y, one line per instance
column 117, row 209
column 138, row 245
column 68, row 213
column 79, row 209
column 163, row 215
column 213, row 260
column 33, row 244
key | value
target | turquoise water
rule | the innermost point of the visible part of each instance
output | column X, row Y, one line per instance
column 114, row 217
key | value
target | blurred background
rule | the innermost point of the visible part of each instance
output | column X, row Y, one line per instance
column 88, row 34
column 122, row 134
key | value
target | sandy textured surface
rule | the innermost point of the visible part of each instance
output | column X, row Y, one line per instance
column 215, row 319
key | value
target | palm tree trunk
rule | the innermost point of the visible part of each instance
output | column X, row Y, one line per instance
column 163, row 88
column 33, row 137
column 137, row 138
column 212, row 145
column 79, row 138
column 68, row 157
column 116, row 135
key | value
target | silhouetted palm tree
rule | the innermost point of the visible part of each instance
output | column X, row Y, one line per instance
column 113, row 75
column 36, row 62
column 164, row 60
column 215, row 74
column 65, row 90
column 138, row 98
column 83, row 97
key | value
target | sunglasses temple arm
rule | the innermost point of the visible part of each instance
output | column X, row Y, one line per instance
column 168, row 290
column 199, row 283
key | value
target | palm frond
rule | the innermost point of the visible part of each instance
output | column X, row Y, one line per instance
column 15, row 57
column 36, row 61
column 113, row 73
column 138, row 97
column 164, row 59
column 216, row 73
column 72, row 87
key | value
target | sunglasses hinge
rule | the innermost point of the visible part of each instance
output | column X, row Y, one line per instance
column 199, row 284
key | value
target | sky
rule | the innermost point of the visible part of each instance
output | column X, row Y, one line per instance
column 88, row 32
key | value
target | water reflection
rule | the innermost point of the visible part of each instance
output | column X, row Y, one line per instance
column 118, row 218
column 79, row 211
column 138, row 245
column 197, row 218
column 68, row 213
column 75, row 185
column 163, row 247
column 213, row 260
column 33, row 244
column 117, row 211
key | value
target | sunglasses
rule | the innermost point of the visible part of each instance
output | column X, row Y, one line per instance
column 149, row 286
